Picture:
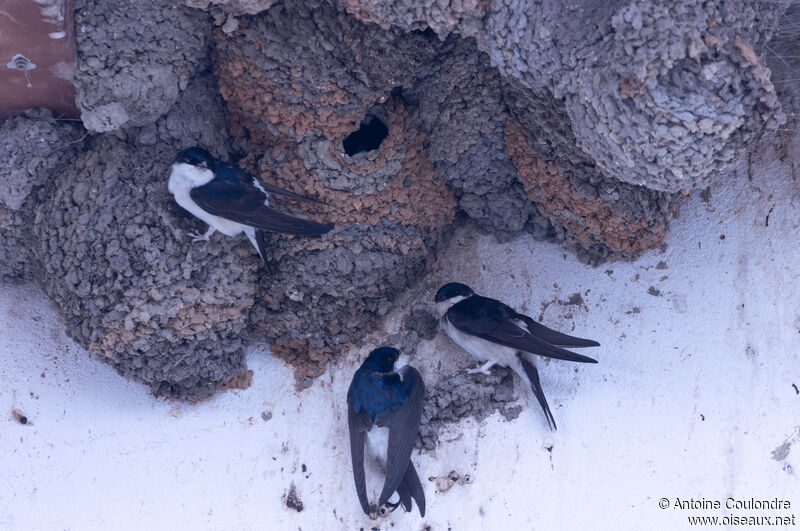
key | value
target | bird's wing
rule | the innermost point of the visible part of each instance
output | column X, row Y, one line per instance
column 276, row 190
column 493, row 321
column 243, row 202
column 230, row 172
column 553, row 337
column 536, row 387
column 358, row 423
column 403, row 424
column 509, row 334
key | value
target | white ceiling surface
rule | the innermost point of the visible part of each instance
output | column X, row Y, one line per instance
column 695, row 396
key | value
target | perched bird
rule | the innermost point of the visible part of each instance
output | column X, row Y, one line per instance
column 384, row 404
column 494, row 333
column 232, row 200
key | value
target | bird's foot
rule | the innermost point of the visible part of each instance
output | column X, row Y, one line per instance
column 197, row 237
column 374, row 512
column 385, row 510
column 389, row 508
column 482, row 369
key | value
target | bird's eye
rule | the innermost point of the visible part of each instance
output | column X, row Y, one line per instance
column 203, row 164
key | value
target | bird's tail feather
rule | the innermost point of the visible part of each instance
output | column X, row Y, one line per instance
column 256, row 237
column 410, row 487
column 536, row 387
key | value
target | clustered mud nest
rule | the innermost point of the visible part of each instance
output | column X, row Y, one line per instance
column 585, row 127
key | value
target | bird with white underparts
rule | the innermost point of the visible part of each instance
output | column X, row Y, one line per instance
column 494, row 333
column 384, row 405
column 231, row 200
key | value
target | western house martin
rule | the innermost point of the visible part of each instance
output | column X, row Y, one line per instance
column 231, row 200
column 384, row 404
column 494, row 333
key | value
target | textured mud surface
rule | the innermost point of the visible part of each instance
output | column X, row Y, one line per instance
column 465, row 395
column 390, row 204
column 115, row 258
column 461, row 108
column 583, row 124
column 34, row 145
column 783, row 58
column 134, row 59
column 658, row 95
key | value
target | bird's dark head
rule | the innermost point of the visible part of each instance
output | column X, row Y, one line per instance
column 382, row 359
column 451, row 290
column 195, row 156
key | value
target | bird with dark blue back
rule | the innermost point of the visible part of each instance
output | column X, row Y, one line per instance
column 231, row 200
column 494, row 333
column 384, row 405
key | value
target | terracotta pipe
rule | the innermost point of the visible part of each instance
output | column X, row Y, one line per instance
column 37, row 56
